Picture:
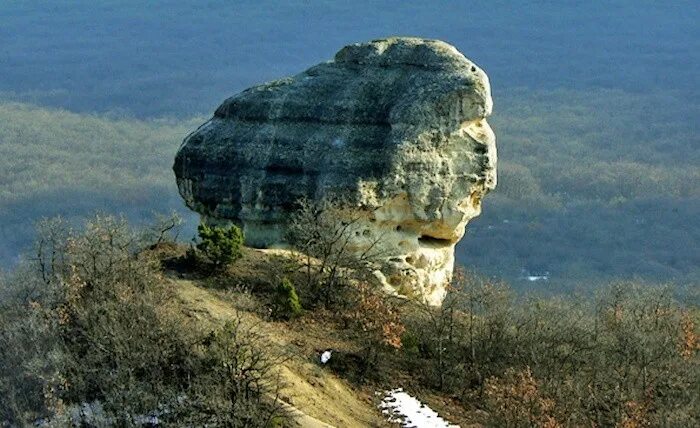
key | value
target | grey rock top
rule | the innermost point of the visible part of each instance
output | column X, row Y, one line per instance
column 395, row 127
column 384, row 82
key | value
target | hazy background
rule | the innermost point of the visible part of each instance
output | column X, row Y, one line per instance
column 596, row 114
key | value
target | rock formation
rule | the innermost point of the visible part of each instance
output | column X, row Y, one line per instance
column 395, row 127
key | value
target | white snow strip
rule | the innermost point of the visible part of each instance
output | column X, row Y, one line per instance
column 402, row 408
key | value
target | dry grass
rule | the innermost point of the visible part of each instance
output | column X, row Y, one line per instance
column 311, row 388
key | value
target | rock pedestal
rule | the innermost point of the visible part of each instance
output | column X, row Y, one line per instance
column 396, row 128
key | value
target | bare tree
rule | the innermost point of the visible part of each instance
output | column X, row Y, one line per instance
column 327, row 236
column 164, row 228
column 240, row 383
column 113, row 333
column 50, row 248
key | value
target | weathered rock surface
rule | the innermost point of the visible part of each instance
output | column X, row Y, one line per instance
column 395, row 127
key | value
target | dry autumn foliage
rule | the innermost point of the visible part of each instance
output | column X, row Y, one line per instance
column 690, row 339
column 636, row 414
column 626, row 358
column 377, row 316
column 517, row 399
column 93, row 322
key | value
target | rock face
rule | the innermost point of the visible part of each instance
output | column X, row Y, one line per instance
column 395, row 127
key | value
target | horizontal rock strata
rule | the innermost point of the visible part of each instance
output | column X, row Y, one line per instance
column 396, row 128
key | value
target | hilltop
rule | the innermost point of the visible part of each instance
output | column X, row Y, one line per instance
column 135, row 326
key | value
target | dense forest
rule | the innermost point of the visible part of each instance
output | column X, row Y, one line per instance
column 585, row 189
column 595, row 114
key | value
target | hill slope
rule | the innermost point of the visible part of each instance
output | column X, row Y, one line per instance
column 316, row 392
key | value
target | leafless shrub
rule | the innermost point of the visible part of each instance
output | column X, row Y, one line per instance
column 629, row 358
column 324, row 234
column 164, row 228
column 93, row 321
column 239, row 384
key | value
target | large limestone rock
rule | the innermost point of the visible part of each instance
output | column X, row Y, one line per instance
column 396, row 127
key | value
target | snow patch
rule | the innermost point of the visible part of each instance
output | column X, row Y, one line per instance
column 402, row 408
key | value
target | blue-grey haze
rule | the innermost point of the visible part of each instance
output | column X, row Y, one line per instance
column 624, row 74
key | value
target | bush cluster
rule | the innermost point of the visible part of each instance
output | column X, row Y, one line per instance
column 630, row 358
column 90, row 321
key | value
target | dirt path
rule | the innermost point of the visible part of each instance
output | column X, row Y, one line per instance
column 314, row 395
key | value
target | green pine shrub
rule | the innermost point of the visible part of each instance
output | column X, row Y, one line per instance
column 287, row 303
column 221, row 246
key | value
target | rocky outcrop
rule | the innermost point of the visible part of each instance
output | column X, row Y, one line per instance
column 394, row 127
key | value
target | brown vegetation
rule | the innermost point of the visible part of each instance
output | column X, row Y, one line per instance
column 107, row 329
column 100, row 316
